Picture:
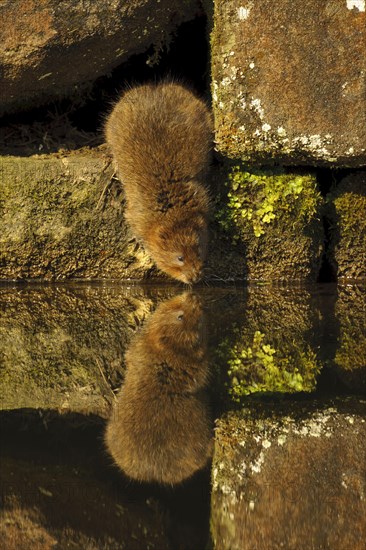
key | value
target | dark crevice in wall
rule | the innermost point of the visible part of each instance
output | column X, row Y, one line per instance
column 185, row 60
column 326, row 180
column 326, row 273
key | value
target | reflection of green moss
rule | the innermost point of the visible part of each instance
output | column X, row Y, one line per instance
column 256, row 199
column 351, row 353
column 260, row 367
column 350, row 312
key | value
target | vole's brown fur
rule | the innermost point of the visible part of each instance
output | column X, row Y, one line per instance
column 160, row 429
column 160, row 137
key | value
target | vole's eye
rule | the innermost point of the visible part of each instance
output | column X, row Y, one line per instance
column 180, row 259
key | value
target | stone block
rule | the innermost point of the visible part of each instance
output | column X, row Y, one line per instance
column 61, row 216
column 50, row 48
column 288, row 81
column 350, row 356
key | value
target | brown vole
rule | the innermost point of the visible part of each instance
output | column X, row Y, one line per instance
column 160, row 429
column 160, row 136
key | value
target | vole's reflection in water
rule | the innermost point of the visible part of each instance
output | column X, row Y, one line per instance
column 161, row 427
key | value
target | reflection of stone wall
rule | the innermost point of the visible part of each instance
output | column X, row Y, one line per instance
column 272, row 349
column 63, row 347
column 350, row 356
column 290, row 477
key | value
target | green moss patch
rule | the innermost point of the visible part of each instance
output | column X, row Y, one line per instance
column 260, row 367
column 276, row 216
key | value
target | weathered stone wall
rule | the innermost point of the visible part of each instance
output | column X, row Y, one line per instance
column 62, row 217
column 273, row 100
column 350, row 354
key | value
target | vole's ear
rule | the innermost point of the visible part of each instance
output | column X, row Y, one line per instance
column 163, row 234
column 200, row 222
column 157, row 232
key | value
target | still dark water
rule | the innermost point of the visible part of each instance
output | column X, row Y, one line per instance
column 110, row 393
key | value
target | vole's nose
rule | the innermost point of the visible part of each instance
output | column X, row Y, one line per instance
column 194, row 276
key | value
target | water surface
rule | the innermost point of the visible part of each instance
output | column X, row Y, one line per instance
column 110, row 395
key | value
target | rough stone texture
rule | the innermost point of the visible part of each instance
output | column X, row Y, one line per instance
column 350, row 356
column 51, row 47
column 289, row 81
column 61, row 216
column 294, row 478
column 275, row 220
column 271, row 347
column 62, row 347
column 346, row 210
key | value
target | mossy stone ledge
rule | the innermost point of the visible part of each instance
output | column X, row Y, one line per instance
column 350, row 356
